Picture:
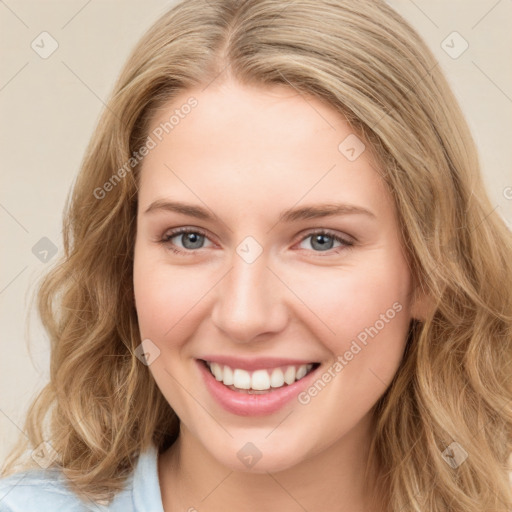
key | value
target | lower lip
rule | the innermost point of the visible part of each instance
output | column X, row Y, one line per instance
column 245, row 404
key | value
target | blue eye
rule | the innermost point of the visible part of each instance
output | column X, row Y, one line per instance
column 193, row 238
column 323, row 241
column 190, row 238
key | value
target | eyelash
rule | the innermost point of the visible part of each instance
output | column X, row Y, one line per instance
column 165, row 240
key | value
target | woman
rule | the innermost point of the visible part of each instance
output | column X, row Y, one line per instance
column 282, row 288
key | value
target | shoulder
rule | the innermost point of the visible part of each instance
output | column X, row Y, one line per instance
column 37, row 490
column 47, row 490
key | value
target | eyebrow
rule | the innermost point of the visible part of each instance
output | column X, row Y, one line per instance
column 290, row 215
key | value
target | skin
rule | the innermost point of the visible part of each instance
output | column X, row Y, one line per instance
column 246, row 154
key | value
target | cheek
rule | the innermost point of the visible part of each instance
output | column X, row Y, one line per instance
column 369, row 314
column 351, row 297
column 166, row 296
column 361, row 313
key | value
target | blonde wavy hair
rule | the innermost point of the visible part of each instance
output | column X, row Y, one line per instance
column 101, row 407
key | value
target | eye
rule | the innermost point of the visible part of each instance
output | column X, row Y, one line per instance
column 190, row 238
column 194, row 238
column 322, row 241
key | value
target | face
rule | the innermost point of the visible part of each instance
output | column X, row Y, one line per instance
column 292, row 258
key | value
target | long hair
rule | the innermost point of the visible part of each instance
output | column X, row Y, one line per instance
column 452, row 393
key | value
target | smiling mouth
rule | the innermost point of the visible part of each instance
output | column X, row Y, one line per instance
column 259, row 381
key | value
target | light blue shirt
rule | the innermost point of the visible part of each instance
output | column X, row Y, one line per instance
column 46, row 491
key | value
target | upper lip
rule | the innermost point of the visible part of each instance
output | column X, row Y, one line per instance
column 256, row 363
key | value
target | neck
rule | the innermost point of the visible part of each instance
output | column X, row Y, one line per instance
column 332, row 479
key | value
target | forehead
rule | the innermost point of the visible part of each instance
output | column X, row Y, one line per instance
column 247, row 145
column 254, row 116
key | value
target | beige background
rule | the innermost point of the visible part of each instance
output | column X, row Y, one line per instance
column 49, row 108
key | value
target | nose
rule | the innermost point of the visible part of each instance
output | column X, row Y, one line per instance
column 249, row 302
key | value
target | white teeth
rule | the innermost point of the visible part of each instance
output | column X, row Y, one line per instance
column 289, row 375
column 241, row 379
column 301, row 372
column 216, row 370
column 228, row 376
column 259, row 380
column 277, row 378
